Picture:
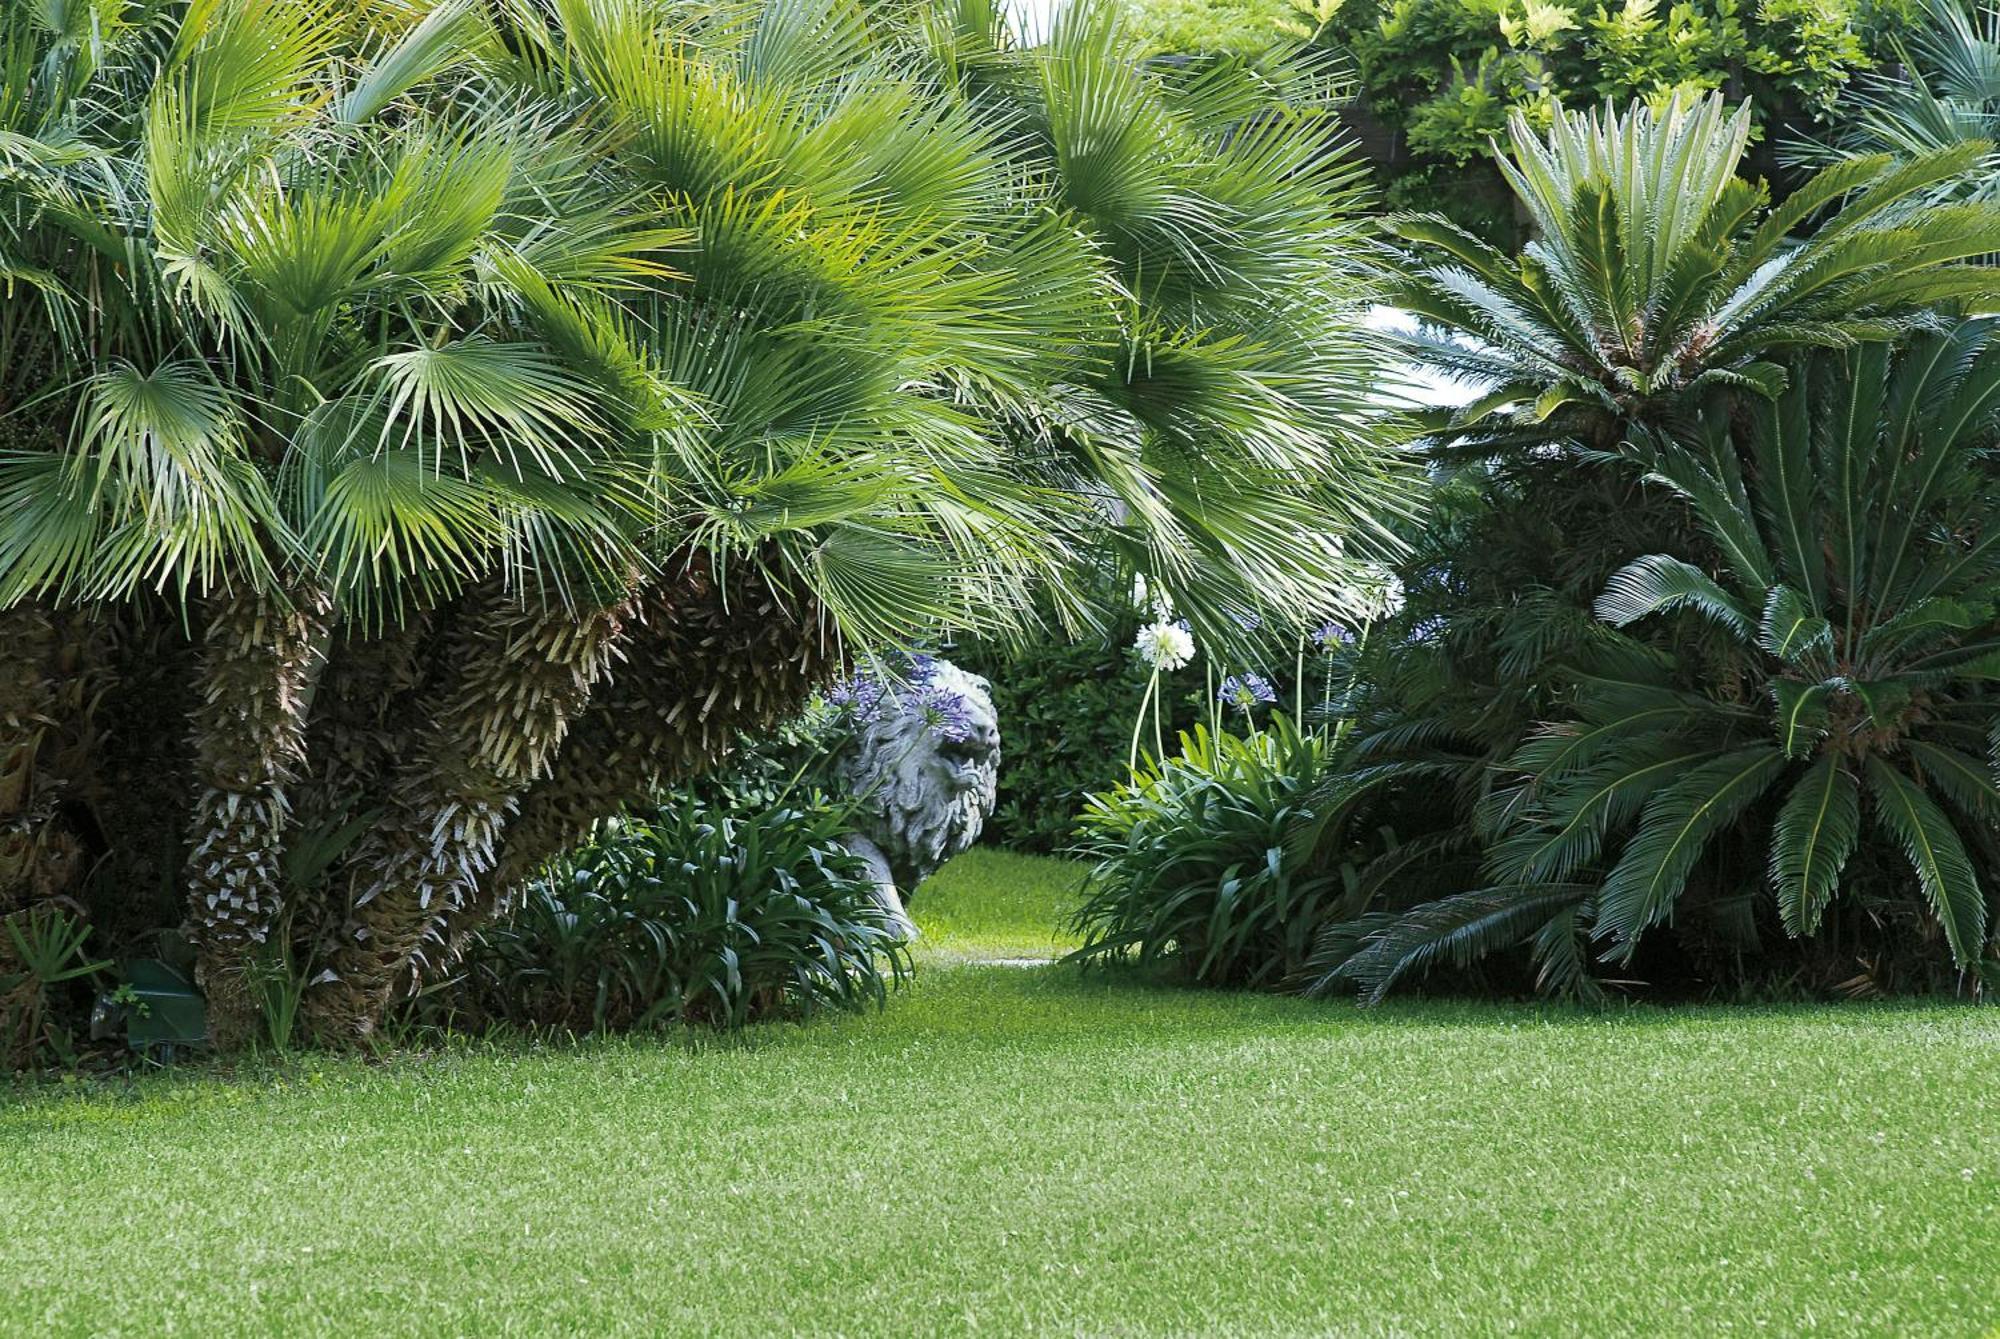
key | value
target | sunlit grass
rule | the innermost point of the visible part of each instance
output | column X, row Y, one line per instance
column 1030, row 1150
column 994, row 904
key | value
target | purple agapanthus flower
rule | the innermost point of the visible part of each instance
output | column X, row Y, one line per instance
column 1331, row 634
column 1248, row 622
column 946, row 714
column 867, row 693
column 1247, row 690
column 859, row 696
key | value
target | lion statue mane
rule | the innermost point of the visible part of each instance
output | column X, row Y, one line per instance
column 924, row 766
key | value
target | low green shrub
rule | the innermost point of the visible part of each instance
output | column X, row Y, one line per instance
column 1210, row 27
column 690, row 914
column 45, row 972
column 1192, row 866
column 1802, row 789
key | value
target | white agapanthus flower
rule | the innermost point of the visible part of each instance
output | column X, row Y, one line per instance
column 1164, row 645
column 1158, row 603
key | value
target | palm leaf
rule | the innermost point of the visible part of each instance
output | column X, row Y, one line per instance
column 1943, row 869
column 1458, row 929
column 1816, row 830
column 1657, row 583
column 1678, row 825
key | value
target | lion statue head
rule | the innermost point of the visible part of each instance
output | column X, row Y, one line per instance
column 924, row 761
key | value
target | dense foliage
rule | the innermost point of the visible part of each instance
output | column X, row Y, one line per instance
column 1066, row 708
column 1451, row 73
column 1435, row 82
column 1191, row 865
column 1608, row 782
column 1689, row 690
column 686, row 914
column 1943, row 92
column 1805, row 754
column 1238, row 28
column 1657, row 271
column 460, row 419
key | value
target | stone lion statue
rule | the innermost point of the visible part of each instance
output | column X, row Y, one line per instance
column 923, row 761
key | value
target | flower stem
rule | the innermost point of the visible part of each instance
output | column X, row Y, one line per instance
column 1353, row 677
column 1299, row 686
column 1152, row 684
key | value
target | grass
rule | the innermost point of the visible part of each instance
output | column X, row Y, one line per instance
column 1029, row 1150
column 991, row 904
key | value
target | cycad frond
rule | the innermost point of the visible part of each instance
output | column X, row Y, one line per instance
column 1679, row 823
column 1458, row 929
column 1655, row 271
column 1944, row 871
column 1657, row 583
column 1816, row 831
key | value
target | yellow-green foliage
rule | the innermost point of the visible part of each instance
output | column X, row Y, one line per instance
column 1191, row 27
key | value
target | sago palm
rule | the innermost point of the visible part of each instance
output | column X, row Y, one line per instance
column 1655, row 270
column 1845, row 709
column 521, row 399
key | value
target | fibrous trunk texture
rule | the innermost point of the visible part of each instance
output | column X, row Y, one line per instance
column 710, row 656
column 365, row 716
column 49, row 681
column 258, row 658
column 516, row 674
column 36, row 855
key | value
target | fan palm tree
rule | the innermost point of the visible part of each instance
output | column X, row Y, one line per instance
column 1857, row 602
column 1656, row 271
column 1944, row 94
column 520, row 399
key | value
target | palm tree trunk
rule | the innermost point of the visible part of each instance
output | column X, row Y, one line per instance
column 365, row 715
column 706, row 661
column 519, row 673
column 258, row 659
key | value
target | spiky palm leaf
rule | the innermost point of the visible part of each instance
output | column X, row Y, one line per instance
column 479, row 319
column 1865, row 677
column 1657, row 271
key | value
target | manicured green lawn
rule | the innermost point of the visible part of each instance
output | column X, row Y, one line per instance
column 991, row 904
column 1015, row 1149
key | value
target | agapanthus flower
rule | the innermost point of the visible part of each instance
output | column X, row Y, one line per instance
column 869, row 690
column 1331, row 634
column 945, row 714
column 1247, row 690
column 859, row 697
column 1248, row 622
column 1165, row 646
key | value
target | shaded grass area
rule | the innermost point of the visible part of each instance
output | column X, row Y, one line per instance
column 1030, row 1150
